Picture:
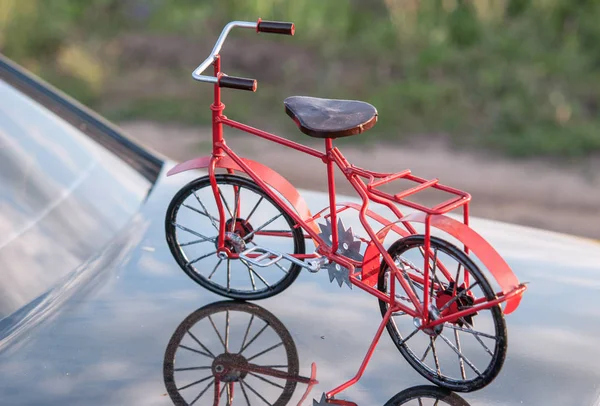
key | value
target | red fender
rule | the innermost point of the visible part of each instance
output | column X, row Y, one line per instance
column 268, row 175
column 480, row 247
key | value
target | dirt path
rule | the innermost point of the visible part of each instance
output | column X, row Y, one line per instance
column 532, row 193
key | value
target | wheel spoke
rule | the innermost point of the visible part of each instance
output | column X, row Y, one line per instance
column 215, row 269
column 285, row 271
column 435, row 357
column 274, row 366
column 191, row 368
column 195, row 383
column 204, row 238
column 236, row 191
column 426, row 352
column 212, row 219
column 460, row 361
column 456, row 279
column 244, row 392
column 225, row 202
column 407, row 277
column 266, row 380
column 246, row 334
column 200, row 344
column 199, row 258
column 196, row 351
column 455, row 298
column 184, row 244
column 469, row 363
column 249, row 235
column 255, row 207
column 433, row 278
column 421, row 403
column 203, row 392
column 265, row 351
column 260, row 277
column 204, row 213
column 229, row 393
column 415, row 331
column 228, row 274
column 255, row 392
column 477, row 335
column 470, row 331
column 254, row 338
column 217, row 331
column 226, row 330
column 250, row 269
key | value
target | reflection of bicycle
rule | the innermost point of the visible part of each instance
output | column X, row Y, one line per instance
column 234, row 348
column 249, row 232
column 415, row 396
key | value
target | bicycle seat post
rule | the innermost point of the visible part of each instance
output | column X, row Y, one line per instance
column 331, row 187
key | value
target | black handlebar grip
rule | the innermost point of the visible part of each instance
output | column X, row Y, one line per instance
column 237, row 83
column 275, row 27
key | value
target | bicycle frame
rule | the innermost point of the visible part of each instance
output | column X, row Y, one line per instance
column 331, row 157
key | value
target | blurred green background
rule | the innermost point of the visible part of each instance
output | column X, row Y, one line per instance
column 520, row 77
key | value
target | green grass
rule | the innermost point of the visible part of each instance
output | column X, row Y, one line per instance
column 519, row 77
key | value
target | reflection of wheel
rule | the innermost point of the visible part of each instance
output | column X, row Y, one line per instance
column 228, row 344
column 419, row 393
column 253, row 219
column 473, row 357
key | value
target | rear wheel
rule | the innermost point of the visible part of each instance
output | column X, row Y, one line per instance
column 464, row 354
column 253, row 219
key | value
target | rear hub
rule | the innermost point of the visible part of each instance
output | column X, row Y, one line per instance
column 230, row 367
column 463, row 302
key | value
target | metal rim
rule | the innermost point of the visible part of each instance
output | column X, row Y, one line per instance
column 196, row 252
column 489, row 347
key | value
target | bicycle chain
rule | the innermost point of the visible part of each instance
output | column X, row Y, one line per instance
column 414, row 268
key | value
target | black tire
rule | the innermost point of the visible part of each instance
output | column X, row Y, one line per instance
column 231, row 306
column 499, row 353
column 191, row 270
column 445, row 396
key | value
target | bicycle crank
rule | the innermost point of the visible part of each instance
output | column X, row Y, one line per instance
column 348, row 246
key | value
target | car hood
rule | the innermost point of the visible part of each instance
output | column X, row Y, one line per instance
column 102, row 335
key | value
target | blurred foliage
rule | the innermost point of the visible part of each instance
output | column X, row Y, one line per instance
column 519, row 76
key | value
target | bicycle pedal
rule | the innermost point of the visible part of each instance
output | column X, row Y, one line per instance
column 315, row 265
column 266, row 257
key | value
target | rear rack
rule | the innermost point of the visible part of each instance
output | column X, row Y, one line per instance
column 376, row 179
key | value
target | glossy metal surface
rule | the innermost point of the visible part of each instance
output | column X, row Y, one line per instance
column 62, row 197
column 98, row 334
column 105, row 343
column 197, row 74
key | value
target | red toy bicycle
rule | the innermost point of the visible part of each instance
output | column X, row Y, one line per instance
column 241, row 232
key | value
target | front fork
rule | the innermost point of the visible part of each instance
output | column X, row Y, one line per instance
column 222, row 250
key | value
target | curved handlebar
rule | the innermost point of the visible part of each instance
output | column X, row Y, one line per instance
column 229, row 81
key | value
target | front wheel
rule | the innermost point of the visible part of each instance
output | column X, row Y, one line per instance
column 462, row 354
column 252, row 219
